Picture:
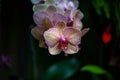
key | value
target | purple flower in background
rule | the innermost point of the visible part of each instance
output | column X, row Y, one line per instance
column 5, row 60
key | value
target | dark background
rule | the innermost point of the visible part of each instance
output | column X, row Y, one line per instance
column 15, row 41
column 15, row 31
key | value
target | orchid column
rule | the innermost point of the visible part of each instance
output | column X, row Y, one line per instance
column 58, row 25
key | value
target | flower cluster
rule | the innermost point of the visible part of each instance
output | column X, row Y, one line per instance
column 58, row 25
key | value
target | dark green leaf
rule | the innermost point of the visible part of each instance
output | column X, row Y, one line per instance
column 62, row 70
column 107, row 10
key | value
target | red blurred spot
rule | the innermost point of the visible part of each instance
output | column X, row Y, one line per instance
column 106, row 37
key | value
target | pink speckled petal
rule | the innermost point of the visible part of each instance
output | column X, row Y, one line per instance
column 71, row 49
column 72, row 35
column 54, row 50
column 51, row 36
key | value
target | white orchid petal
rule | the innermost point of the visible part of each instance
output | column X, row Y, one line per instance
column 71, row 49
column 51, row 36
column 54, row 50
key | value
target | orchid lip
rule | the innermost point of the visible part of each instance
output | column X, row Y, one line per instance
column 63, row 43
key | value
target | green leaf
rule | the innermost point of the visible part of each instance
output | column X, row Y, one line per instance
column 62, row 70
column 107, row 10
column 96, row 70
column 97, row 5
column 117, row 18
column 93, row 69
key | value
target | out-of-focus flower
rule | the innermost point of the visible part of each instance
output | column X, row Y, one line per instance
column 5, row 60
column 114, row 58
column 106, row 37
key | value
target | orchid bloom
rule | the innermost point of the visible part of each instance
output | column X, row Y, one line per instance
column 62, row 38
column 45, row 20
column 58, row 25
column 67, row 4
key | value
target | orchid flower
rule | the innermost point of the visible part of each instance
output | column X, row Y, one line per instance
column 45, row 20
column 58, row 25
column 62, row 38
column 67, row 4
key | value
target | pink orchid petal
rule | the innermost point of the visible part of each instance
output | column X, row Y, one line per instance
column 37, row 32
column 51, row 36
column 38, row 16
column 71, row 49
column 54, row 50
column 77, row 24
column 57, row 17
column 46, row 23
column 51, row 9
column 78, row 14
column 84, row 31
column 60, row 26
column 72, row 35
column 68, row 13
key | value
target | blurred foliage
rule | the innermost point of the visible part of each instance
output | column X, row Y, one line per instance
column 111, row 10
column 62, row 70
column 96, row 70
column 93, row 69
column 100, row 6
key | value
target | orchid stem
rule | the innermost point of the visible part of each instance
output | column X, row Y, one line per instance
column 35, row 68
